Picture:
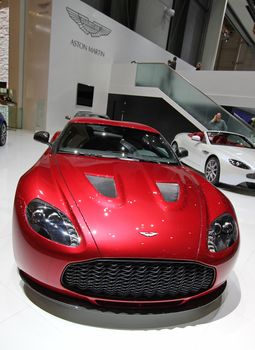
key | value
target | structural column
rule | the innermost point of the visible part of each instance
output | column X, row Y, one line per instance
column 16, row 53
column 212, row 39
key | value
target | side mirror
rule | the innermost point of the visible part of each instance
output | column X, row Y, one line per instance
column 182, row 152
column 196, row 138
column 67, row 117
column 42, row 136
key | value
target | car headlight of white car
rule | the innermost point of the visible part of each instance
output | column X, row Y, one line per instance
column 238, row 164
column 222, row 233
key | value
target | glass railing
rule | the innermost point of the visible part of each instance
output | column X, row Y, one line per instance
column 192, row 100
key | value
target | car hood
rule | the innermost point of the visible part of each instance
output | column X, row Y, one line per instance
column 128, row 215
column 246, row 155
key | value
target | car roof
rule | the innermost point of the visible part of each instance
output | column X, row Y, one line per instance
column 125, row 124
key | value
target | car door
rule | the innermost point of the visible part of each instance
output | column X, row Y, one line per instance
column 199, row 152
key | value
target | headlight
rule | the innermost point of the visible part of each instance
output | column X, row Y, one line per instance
column 51, row 223
column 238, row 163
column 222, row 233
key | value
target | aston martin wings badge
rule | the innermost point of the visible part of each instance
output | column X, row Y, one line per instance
column 94, row 29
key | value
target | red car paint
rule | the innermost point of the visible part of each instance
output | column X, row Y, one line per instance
column 110, row 227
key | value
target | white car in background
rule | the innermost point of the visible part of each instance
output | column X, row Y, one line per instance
column 223, row 157
column 87, row 114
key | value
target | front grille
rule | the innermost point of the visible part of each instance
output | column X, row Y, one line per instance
column 138, row 279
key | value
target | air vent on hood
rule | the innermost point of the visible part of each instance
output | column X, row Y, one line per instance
column 104, row 185
column 169, row 191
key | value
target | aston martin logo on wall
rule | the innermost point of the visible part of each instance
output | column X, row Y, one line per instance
column 94, row 29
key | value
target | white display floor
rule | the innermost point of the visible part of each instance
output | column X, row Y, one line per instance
column 29, row 321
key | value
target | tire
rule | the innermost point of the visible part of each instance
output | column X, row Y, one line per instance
column 175, row 147
column 212, row 170
column 3, row 134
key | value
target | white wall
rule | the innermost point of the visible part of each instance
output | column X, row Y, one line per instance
column 229, row 88
column 79, row 57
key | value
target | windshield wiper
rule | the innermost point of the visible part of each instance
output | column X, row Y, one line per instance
column 78, row 153
column 126, row 157
column 157, row 161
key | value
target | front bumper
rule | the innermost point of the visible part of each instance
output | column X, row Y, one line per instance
column 235, row 176
column 127, row 306
column 46, row 267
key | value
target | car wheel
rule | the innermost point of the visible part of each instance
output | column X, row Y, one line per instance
column 175, row 147
column 3, row 134
column 212, row 170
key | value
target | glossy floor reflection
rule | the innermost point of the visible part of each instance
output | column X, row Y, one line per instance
column 28, row 320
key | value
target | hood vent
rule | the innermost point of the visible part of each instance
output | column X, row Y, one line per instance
column 169, row 191
column 104, row 185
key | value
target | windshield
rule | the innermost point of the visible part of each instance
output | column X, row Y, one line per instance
column 115, row 142
column 228, row 139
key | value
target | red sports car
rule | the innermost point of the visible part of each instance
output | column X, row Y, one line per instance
column 109, row 215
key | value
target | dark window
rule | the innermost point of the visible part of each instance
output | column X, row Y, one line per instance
column 85, row 94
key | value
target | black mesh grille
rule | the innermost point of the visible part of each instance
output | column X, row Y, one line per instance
column 138, row 280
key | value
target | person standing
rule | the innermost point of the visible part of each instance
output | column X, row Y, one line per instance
column 252, row 122
column 172, row 63
column 198, row 66
column 217, row 123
